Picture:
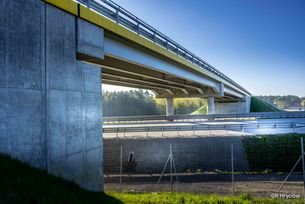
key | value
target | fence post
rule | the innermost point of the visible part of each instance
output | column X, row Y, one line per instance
column 193, row 131
column 121, row 167
column 226, row 130
column 303, row 165
column 232, row 168
column 171, row 166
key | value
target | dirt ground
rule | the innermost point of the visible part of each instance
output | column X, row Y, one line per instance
column 258, row 185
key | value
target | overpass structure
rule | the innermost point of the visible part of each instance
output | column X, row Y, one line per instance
column 137, row 55
column 54, row 55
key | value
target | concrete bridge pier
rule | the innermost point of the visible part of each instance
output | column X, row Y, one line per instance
column 169, row 106
column 211, row 105
column 50, row 103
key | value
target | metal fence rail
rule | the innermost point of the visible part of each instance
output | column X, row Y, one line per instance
column 207, row 127
column 181, row 118
column 121, row 16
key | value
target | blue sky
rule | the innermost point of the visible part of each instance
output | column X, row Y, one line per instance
column 260, row 44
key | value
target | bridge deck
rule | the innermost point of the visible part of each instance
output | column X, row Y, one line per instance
column 118, row 21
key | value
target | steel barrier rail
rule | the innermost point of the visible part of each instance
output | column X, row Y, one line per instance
column 206, row 127
column 177, row 118
column 123, row 17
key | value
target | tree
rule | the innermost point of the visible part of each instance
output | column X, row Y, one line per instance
column 303, row 103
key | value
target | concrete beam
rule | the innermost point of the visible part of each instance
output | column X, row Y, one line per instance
column 129, row 78
column 120, row 50
column 90, row 41
column 137, row 71
column 131, row 84
column 232, row 92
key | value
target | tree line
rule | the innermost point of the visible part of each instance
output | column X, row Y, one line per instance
column 140, row 102
column 284, row 102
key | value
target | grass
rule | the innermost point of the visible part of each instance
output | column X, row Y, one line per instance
column 20, row 183
column 186, row 198
column 200, row 111
column 258, row 105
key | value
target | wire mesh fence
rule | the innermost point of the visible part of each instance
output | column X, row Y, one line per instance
column 223, row 165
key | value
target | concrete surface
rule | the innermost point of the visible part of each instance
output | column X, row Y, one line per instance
column 90, row 40
column 169, row 106
column 150, row 154
column 234, row 107
column 211, row 105
column 50, row 107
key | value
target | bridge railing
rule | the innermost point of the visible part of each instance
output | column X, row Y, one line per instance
column 243, row 128
column 183, row 118
column 123, row 17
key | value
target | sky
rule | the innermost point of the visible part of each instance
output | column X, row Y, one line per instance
column 260, row 44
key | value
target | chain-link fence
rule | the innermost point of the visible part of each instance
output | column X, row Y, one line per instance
column 205, row 164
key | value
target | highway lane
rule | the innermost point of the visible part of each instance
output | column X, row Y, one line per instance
column 206, row 133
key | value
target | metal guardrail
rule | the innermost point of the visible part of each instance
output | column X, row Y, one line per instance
column 123, row 17
column 183, row 118
column 207, row 127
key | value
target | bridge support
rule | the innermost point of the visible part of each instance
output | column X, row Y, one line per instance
column 50, row 103
column 211, row 105
column 234, row 107
column 169, row 106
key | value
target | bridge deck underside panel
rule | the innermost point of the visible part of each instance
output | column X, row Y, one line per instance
column 127, row 65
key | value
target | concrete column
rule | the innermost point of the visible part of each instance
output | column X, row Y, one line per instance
column 211, row 105
column 169, row 106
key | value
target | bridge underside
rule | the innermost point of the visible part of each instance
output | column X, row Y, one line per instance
column 127, row 64
column 122, row 73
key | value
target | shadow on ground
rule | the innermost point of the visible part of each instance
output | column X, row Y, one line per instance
column 20, row 183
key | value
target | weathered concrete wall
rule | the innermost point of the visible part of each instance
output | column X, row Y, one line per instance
column 22, row 81
column 233, row 107
column 150, row 155
column 90, row 40
column 50, row 107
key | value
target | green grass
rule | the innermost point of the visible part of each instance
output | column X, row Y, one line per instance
column 186, row 198
column 200, row 111
column 258, row 105
column 20, row 183
column 278, row 153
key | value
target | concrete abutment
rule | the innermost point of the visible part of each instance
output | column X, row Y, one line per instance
column 50, row 107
